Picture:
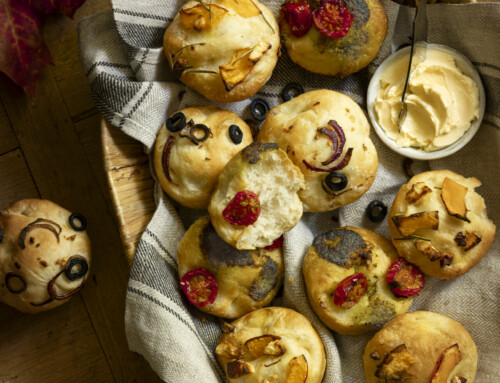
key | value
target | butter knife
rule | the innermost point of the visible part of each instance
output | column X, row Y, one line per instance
column 419, row 35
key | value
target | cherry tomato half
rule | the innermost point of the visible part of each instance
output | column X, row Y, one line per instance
column 199, row 286
column 404, row 278
column 350, row 290
column 332, row 19
column 244, row 209
column 299, row 17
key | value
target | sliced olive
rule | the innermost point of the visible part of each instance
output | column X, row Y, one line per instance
column 191, row 132
column 79, row 273
column 292, row 90
column 13, row 289
column 376, row 211
column 176, row 122
column 336, row 181
column 77, row 221
column 1, row 235
column 235, row 134
column 259, row 109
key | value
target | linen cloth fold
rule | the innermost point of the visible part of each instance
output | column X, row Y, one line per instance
column 132, row 86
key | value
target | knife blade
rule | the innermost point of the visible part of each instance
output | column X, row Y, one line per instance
column 420, row 28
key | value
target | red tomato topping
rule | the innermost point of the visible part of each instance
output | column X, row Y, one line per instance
column 299, row 17
column 333, row 19
column 199, row 286
column 244, row 209
column 404, row 278
column 350, row 290
column 278, row 242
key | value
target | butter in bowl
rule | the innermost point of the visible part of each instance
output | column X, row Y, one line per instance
column 445, row 102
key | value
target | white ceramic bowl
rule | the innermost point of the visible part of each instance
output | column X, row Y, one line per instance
column 418, row 154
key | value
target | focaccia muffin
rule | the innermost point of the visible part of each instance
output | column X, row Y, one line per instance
column 245, row 279
column 439, row 223
column 256, row 198
column 325, row 134
column 224, row 49
column 272, row 344
column 44, row 255
column 421, row 347
column 193, row 147
column 333, row 37
column 345, row 273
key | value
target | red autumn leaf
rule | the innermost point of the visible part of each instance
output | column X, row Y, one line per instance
column 23, row 53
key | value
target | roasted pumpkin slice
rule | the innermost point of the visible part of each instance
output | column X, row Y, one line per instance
column 298, row 370
column 396, row 364
column 241, row 64
column 228, row 350
column 426, row 248
column 265, row 345
column 453, row 196
column 238, row 368
column 467, row 240
column 446, row 363
column 202, row 17
column 417, row 191
column 408, row 225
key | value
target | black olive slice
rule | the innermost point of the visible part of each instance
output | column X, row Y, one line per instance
column 235, row 134
column 292, row 90
column 407, row 162
column 376, row 211
column 176, row 122
column 259, row 109
column 1, row 235
column 335, row 181
column 13, row 290
column 80, row 224
column 75, row 261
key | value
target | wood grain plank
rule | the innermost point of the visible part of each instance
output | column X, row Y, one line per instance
column 16, row 179
column 54, row 346
column 61, row 37
column 62, row 173
column 131, row 185
column 8, row 140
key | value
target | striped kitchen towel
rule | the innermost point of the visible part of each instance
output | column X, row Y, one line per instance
column 132, row 86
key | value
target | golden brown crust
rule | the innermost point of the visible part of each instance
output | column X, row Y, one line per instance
column 38, row 253
column 246, row 280
column 444, row 238
column 366, row 252
column 297, row 335
column 294, row 126
column 265, row 170
column 342, row 56
column 194, row 169
column 426, row 335
column 232, row 34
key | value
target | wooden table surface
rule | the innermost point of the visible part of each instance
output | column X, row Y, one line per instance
column 50, row 147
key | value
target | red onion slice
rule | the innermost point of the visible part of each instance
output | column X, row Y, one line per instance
column 165, row 159
column 342, row 164
column 336, row 136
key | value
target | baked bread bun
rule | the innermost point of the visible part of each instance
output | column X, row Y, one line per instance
column 356, row 259
column 256, row 198
column 246, row 280
column 44, row 255
column 272, row 344
column 311, row 129
column 439, row 223
column 340, row 54
column 193, row 147
column 225, row 50
column 421, row 347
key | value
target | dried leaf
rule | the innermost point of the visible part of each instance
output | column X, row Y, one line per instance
column 23, row 53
